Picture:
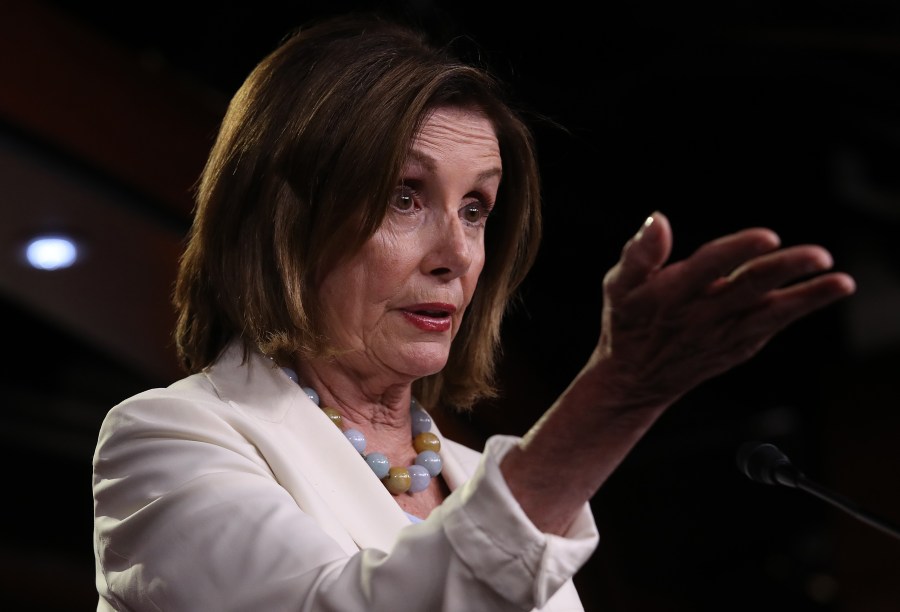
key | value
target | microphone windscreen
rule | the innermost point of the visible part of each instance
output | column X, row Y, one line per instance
column 758, row 461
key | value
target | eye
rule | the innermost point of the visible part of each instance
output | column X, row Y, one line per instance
column 404, row 199
column 475, row 212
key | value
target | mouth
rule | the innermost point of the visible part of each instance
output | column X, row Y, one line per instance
column 437, row 314
column 434, row 317
column 433, row 310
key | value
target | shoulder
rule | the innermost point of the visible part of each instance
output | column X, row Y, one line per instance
column 160, row 439
column 185, row 399
column 159, row 420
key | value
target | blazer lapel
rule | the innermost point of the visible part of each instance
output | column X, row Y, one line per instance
column 311, row 458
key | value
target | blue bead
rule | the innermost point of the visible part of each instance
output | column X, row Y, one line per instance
column 311, row 394
column 357, row 439
column 418, row 478
column 431, row 461
column 421, row 422
column 379, row 464
column 290, row 373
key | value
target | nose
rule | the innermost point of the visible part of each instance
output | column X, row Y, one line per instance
column 452, row 248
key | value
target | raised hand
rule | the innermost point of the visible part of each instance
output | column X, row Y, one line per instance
column 666, row 327
column 669, row 326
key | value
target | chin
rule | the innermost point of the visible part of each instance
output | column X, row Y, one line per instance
column 421, row 363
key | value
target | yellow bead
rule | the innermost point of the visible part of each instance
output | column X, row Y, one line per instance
column 427, row 441
column 397, row 481
column 335, row 417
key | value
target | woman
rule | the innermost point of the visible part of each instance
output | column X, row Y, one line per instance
column 341, row 270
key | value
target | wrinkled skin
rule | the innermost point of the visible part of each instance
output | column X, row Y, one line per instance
column 666, row 328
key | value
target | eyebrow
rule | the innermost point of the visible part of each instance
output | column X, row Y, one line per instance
column 430, row 165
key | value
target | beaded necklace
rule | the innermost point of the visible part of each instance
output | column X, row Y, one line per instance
column 397, row 479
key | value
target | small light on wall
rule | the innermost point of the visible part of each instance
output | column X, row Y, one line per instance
column 51, row 252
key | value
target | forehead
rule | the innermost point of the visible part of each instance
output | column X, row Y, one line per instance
column 451, row 131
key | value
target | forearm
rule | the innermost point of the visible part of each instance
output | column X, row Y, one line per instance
column 666, row 327
column 576, row 445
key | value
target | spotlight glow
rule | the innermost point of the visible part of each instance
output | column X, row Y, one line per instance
column 51, row 252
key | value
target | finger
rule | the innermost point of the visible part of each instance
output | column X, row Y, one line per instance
column 786, row 305
column 642, row 255
column 752, row 280
column 718, row 259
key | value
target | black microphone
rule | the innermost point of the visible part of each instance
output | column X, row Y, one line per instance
column 765, row 463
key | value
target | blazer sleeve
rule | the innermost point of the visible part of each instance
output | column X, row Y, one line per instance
column 188, row 516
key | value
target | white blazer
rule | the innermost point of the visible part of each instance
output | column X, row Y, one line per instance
column 231, row 490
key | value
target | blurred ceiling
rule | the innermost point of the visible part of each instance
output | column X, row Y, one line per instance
column 775, row 113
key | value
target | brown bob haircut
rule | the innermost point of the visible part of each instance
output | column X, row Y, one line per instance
column 300, row 176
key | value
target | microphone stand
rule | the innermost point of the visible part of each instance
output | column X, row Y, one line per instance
column 839, row 501
column 765, row 463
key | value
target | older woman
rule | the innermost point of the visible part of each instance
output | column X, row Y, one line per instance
column 367, row 212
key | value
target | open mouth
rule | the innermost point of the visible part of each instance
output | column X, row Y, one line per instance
column 432, row 313
column 431, row 317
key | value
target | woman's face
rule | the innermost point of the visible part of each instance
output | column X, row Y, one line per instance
column 398, row 303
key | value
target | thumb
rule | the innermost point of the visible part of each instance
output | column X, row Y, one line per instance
column 644, row 253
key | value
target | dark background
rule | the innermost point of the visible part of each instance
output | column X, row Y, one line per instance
column 783, row 114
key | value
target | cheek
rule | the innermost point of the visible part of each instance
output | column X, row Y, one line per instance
column 389, row 259
column 345, row 296
column 474, row 274
column 372, row 276
column 342, row 286
column 334, row 293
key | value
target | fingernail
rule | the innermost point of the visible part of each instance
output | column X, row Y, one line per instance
column 647, row 223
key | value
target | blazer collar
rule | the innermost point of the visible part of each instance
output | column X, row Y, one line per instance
column 356, row 500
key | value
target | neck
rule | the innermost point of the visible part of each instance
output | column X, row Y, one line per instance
column 364, row 403
column 403, row 468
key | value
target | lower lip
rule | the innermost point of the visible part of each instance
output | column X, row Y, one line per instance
column 430, row 324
